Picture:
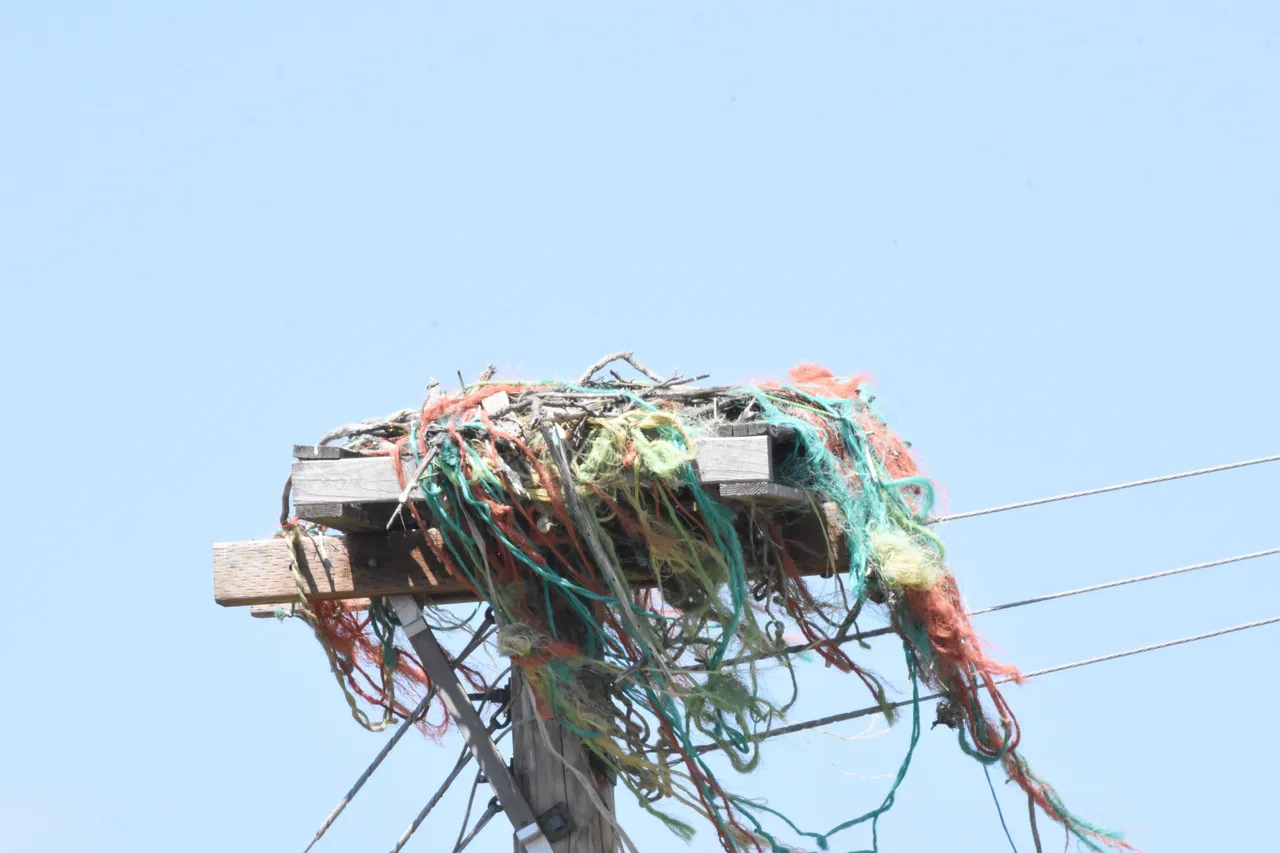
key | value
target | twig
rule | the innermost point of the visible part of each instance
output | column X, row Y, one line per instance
column 284, row 501
column 601, row 365
column 427, row 458
column 590, row 533
column 369, row 427
column 487, row 373
column 665, row 392
column 673, row 381
column 628, row 357
column 641, row 368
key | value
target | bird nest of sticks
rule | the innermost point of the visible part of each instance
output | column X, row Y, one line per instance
column 637, row 585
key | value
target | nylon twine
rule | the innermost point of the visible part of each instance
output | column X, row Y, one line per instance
column 551, row 500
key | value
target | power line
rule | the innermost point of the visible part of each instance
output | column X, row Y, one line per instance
column 479, row 637
column 463, row 760
column 865, row 712
column 880, row 632
column 466, row 815
column 493, row 809
column 1167, row 573
column 1152, row 648
column 500, row 718
column 482, row 635
column 1087, row 492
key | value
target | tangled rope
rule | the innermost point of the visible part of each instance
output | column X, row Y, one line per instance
column 636, row 601
column 361, row 650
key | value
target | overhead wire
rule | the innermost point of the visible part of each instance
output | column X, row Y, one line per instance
column 471, row 798
column 463, row 760
column 481, row 635
column 466, row 815
column 1102, row 490
column 878, row 709
column 489, row 813
column 1112, row 584
column 483, row 632
column 880, row 632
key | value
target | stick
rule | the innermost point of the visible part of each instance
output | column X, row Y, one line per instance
column 411, row 482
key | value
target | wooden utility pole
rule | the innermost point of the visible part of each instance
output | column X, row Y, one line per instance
column 555, row 793
column 558, row 797
column 553, row 781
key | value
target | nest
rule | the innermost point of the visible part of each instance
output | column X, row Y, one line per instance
column 639, row 599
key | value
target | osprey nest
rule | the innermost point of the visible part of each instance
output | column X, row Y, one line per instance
column 637, row 585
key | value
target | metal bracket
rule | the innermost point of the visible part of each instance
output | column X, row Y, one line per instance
column 556, row 823
column 492, row 765
column 500, row 696
column 533, row 840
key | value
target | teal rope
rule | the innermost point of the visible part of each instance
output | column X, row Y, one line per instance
column 834, row 455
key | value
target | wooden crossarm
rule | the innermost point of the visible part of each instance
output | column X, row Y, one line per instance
column 398, row 563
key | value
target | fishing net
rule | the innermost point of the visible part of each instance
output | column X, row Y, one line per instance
column 638, row 600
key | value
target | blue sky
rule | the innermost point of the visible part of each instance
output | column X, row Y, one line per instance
column 1048, row 233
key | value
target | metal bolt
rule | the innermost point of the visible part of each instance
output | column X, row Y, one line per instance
column 371, row 563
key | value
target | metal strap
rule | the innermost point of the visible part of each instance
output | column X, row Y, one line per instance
column 473, row 730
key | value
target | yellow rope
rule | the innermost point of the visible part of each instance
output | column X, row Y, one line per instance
column 304, row 611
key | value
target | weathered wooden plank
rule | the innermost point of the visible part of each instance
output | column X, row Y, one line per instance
column 368, row 565
column 774, row 493
column 269, row 611
column 372, row 479
column 322, row 451
column 780, row 434
column 368, row 479
column 734, row 460
column 345, row 517
column 358, row 566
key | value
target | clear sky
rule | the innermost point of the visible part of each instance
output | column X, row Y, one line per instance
column 1050, row 233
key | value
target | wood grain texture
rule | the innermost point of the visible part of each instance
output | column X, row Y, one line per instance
column 372, row 479
column 732, row 460
column 765, row 492
column 781, row 434
column 545, row 782
column 322, row 451
column 257, row 571
column 269, row 611
column 358, row 566
column 345, row 517
column 369, row 479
